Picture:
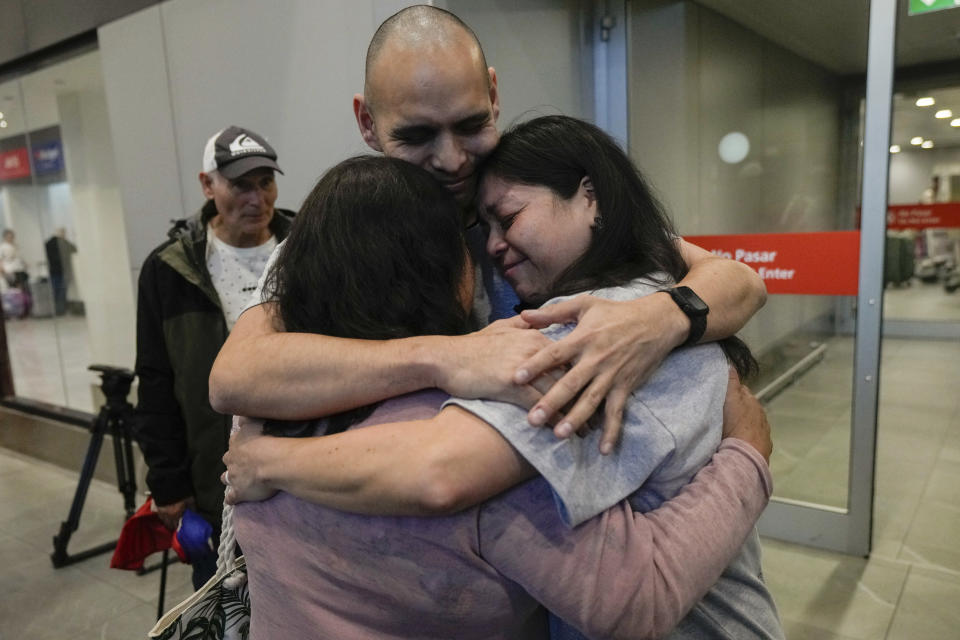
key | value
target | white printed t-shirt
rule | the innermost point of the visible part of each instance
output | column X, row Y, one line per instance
column 235, row 272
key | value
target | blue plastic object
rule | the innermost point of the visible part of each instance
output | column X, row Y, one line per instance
column 194, row 536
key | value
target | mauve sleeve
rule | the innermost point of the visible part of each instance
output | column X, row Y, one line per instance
column 624, row 574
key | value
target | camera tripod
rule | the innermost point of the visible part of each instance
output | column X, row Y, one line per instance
column 113, row 418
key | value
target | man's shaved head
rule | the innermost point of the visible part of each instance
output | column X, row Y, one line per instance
column 420, row 27
column 429, row 97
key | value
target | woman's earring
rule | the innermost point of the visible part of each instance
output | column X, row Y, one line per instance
column 597, row 222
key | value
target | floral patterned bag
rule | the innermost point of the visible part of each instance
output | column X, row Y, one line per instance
column 220, row 610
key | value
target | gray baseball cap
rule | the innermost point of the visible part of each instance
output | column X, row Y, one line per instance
column 235, row 151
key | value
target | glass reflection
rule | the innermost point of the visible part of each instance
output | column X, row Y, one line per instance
column 747, row 137
column 922, row 260
column 58, row 198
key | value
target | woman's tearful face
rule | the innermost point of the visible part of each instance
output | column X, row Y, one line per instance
column 534, row 235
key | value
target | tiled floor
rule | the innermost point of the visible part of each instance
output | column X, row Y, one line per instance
column 85, row 600
column 921, row 301
column 908, row 590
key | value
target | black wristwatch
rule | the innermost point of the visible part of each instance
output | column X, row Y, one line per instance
column 695, row 308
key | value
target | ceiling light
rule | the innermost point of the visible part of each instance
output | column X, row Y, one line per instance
column 894, row 148
column 955, row 122
column 926, row 101
column 943, row 113
column 916, row 140
column 927, row 144
column 1, row 115
column 3, row 124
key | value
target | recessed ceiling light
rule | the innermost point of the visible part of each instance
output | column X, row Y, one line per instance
column 943, row 113
column 927, row 144
column 894, row 148
column 916, row 140
column 3, row 124
column 926, row 101
column 1, row 115
column 955, row 122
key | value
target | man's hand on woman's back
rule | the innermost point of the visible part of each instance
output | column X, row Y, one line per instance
column 744, row 418
column 482, row 364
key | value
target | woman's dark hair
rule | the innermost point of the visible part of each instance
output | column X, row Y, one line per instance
column 375, row 252
column 634, row 237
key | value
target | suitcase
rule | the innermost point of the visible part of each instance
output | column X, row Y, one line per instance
column 42, row 294
column 16, row 301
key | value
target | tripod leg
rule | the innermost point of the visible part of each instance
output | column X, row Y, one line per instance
column 130, row 494
column 60, row 541
column 123, row 457
column 163, row 583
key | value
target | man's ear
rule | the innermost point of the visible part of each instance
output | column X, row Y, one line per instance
column 494, row 93
column 206, row 185
column 365, row 121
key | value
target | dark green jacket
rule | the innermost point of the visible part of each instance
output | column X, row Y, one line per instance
column 180, row 329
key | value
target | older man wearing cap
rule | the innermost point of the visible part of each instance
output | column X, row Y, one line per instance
column 192, row 288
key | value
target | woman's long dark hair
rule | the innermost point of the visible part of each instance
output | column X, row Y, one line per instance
column 375, row 252
column 634, row 237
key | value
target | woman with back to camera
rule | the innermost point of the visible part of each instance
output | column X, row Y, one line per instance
column 607, row 576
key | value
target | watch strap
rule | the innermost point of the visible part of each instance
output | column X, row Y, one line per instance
column 695, row 309
column 698, row 326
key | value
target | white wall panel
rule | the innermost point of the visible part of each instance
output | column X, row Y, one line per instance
column 142, row 127
column 664, row 103
column 101, row 259
column 731, row 99
column 536, row 48
column 288, row 71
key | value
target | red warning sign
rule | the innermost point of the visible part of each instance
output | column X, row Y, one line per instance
column 923, row 216
column 824, row 263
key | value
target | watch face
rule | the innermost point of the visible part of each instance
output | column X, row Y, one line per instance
column 690, row 302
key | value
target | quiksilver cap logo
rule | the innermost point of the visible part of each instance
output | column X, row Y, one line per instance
column 245, row 144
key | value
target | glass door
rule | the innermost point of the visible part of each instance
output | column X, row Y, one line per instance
column 767, row 140
column 67, row 293
column 31, row 177
column 922, row 273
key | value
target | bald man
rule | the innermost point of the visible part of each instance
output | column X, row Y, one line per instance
column 430, row 98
